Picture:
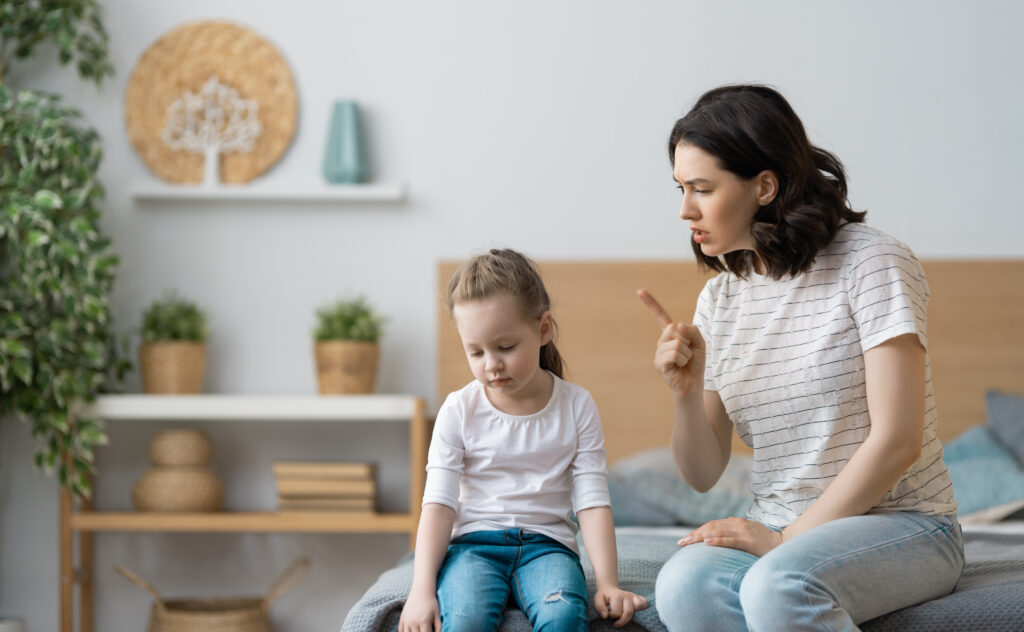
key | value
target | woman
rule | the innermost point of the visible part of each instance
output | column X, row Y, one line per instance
column 812, row 344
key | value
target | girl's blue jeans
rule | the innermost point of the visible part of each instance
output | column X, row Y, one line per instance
column 832, row 577
column 485, row 570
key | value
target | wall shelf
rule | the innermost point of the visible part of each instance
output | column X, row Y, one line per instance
column 153, row 191
column 334, row 408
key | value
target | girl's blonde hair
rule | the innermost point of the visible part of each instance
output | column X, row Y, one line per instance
column 505, row 271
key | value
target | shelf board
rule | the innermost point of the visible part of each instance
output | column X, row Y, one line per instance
column 232, row 522
column 151, row 191
column 254, row 407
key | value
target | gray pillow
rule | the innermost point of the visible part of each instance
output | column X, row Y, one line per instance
column 1006, row 421
column 646, row 489
column 984, row 474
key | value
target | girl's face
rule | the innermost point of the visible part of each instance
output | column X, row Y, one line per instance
column 718, row 204
column 502, row 347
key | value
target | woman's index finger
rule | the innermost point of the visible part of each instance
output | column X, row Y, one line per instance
column 652, row 304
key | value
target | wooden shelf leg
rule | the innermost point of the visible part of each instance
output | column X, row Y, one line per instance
column 85, row 573
column 67, row 571
column 418, row 441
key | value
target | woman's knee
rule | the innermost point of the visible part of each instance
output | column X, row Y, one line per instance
column 689, row 584
column 769, row 591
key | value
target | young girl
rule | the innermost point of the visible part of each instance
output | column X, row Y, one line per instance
column 514, row 454
column 812, row 344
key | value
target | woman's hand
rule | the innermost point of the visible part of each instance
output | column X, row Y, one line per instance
column 736, row 533
column 420, row 614
column 680, row 356
column 618, row 603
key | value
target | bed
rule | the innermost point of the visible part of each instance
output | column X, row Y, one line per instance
column 606, row 335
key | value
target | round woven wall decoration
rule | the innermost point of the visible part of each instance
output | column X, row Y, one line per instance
column 183, row 61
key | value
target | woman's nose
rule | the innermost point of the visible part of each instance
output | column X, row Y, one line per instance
column 687, row 209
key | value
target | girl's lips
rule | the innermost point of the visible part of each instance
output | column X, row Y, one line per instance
column 501, row 381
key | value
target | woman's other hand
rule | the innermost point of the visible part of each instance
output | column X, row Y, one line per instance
column 736, row 533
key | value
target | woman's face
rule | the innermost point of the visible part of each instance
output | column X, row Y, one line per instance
column 718, row 204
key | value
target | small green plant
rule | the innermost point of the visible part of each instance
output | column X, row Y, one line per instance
column 173, row 318
column 351, row 319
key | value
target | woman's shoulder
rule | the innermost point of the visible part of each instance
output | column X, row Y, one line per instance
column 860, row 250
column 860, row 241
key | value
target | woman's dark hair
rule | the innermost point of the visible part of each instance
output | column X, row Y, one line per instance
column 507, row 272
column 750, row 129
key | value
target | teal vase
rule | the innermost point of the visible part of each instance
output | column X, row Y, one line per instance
column 345, row 158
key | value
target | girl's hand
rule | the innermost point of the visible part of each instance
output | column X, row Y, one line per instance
column 420, row 614
column 680, row 356
column 736, row 533
column 619, row 603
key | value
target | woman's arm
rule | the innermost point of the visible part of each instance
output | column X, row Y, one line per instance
column 421, row 612
column 701, row 429
column 895, row 378
column 598, row 533
column 894, row 375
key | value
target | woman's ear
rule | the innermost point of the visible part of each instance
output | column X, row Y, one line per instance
column 767, row 187
column 547, row 328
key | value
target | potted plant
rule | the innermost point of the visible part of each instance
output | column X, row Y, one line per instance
column 172, row 356
column 57, row 269
column 346, row 347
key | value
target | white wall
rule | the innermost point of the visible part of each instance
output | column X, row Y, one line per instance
column 539, row 126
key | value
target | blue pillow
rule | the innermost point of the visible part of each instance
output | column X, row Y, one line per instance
column 646, row 489
column 1006, row 420
column 984, row 473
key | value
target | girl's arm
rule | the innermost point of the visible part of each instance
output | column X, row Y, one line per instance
column 598, row 532
column 421, row 612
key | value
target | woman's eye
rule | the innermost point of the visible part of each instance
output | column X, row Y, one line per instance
column 701, row 191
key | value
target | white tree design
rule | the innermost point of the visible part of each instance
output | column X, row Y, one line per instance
column 213, row 121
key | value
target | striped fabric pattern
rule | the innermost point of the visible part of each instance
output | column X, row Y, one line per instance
column 787, row 359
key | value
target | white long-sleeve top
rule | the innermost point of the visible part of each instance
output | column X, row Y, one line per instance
column 501, row 471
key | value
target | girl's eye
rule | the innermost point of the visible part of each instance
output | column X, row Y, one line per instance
column 507, row 347
column 475, row 354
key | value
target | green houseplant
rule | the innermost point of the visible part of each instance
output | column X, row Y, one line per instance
column 57, row 270
column 172, row 356
column 346, row 346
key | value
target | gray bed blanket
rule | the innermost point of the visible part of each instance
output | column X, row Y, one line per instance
column 989, row 596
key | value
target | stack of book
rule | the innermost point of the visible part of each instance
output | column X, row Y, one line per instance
column 305, row 486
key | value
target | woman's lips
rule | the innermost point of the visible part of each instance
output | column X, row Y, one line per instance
column 699, row 236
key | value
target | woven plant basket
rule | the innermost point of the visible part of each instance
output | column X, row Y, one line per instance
column 346, row 367
column 172, row 367
column 178, row 489
column 180, row 447
column 238, row 614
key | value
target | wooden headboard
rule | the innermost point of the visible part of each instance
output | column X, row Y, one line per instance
column 607, row 337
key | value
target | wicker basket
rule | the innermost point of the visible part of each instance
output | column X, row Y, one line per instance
column 346, row 366
column 172, row 367
column 178, row 489
column 244, row 614
column 180, row 447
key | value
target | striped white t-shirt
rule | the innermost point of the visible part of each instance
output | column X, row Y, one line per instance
column 787, row 359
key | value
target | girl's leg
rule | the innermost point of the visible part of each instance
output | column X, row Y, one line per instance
column 549, row 586
column 851, row 570
column 473, row 583
column 698, row 588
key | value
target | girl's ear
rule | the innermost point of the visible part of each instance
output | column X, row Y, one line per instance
column 547, row 328
column 767, row 187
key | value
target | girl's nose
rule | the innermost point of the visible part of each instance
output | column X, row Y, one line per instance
column 493, row 363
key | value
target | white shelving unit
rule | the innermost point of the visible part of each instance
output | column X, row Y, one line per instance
column 153, row 191
column 83, row 522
